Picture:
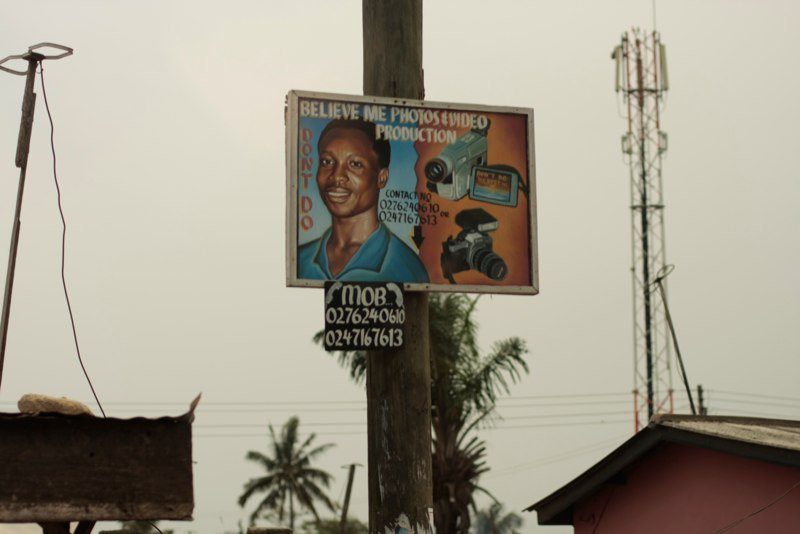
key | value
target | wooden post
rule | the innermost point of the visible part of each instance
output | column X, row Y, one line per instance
column 398, row 383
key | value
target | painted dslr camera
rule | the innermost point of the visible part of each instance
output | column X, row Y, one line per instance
column 472, row 247
column 461, row 168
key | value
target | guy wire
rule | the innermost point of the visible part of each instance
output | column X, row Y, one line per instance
column 63, row 255
column 64, row 241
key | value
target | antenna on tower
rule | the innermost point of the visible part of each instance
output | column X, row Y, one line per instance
column 654, row 16
column 641, row 77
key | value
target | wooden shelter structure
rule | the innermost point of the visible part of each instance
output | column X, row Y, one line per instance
column 56, row 469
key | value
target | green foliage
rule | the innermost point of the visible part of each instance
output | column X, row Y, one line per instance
column 289, row 476
column 465, row 385
column 465, row 381
column 492, row 521
column 333, row 526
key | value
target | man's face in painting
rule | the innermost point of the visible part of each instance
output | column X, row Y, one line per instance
column 349, row 176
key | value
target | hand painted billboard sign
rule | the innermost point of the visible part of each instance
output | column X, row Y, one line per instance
column 436, row 196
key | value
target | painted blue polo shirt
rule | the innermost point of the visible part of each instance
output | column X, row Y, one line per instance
column 382, row 258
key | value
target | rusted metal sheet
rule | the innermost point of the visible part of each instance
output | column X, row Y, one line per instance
column 57, row 467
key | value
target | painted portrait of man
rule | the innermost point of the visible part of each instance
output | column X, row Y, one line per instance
column 353, row 167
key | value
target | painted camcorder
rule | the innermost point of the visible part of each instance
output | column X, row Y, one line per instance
column 449, row 173
column 472, row 247
column 495, row 184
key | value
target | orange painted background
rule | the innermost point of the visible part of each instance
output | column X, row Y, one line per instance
column 507, row 145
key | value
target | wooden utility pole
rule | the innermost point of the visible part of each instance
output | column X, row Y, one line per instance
column 351, row 474
column 398, row 383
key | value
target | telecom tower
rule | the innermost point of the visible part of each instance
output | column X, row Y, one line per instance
column 641, row 77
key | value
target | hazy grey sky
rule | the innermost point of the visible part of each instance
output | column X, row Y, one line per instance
column 170, row 142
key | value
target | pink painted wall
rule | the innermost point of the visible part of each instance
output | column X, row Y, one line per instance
column 687, row 490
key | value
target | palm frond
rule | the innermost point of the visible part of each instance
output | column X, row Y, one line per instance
column 305, row 500
column 504, row 363
column 316, row 478
column 487, row 493
column 256, row 485
column 468, row 329
column 313, row 453
column 320, row 495
column 289, row 436
column 356, row 361
column 272, row 501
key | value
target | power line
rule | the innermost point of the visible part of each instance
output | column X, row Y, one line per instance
column 201, row 410
column 555, row 415
column 566, row 455
column 330, row 401
column 717, row 410
column 578, row 403
column 237, row 403
column 729, row 526
column 515, row 427
column 757, row 403
column 743, row 394
column 509, row 402
column 361, row 423
column 577, row 423
column 568, row 395
column 250, row 425
column 264, row 435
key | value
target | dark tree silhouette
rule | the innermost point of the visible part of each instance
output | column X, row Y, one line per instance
column 492, row 520
column 464, row 387
column 289, row 477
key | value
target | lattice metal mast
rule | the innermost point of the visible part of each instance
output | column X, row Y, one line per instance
column 641, row 78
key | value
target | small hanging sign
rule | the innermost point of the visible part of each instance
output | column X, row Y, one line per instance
column 363, row 316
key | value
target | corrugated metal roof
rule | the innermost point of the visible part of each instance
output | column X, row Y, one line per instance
column 768, row 440
column 769, row 432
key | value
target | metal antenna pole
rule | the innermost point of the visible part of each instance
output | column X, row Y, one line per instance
column 665, row 271
column 23, row 148
column 644, row 213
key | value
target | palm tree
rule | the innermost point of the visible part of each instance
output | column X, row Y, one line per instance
column 464, row 388
column 289, row 475
column 492, row 521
